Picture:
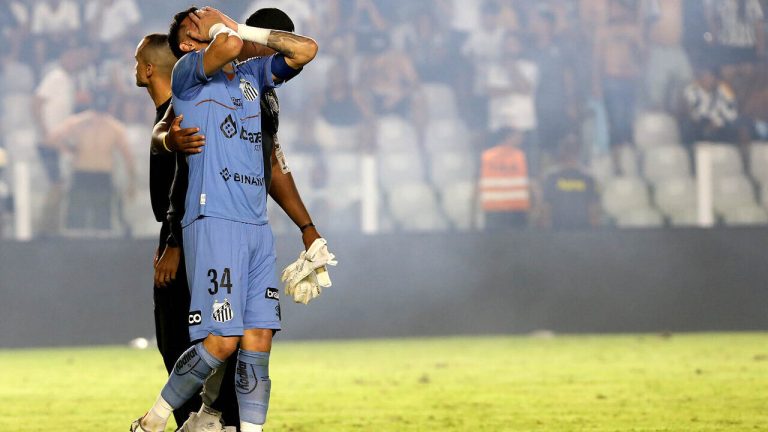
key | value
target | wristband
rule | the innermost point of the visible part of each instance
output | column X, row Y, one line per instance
column 165, row 146
column 253, row 34
column 221, row 28
column 305, row 226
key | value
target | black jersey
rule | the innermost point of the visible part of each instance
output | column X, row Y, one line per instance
column 161, row 168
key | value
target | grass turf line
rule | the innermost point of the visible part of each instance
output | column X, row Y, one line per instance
column 698, row 382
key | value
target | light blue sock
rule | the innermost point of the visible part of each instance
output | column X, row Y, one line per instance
column 253, row 385
column 189, row 373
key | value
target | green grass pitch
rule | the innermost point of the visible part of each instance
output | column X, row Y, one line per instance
column 699, row 382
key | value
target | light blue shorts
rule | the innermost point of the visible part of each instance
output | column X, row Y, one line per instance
column 232, row 280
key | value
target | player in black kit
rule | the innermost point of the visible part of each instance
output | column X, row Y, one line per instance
column 154, row 63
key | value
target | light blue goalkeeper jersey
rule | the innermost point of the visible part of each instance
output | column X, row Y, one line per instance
column 226, row 180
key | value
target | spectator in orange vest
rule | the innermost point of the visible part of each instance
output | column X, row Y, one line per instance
column 505, row 194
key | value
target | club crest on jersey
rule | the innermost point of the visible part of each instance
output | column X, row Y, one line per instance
column 249, row 92
column 222, row 312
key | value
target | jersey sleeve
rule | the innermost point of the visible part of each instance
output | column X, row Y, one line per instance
column 188, row 76
column 261, row 68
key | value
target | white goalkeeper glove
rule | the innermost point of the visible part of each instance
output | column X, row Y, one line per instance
column 306, row 277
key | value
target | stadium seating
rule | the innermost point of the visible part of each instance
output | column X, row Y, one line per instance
column 397, row 168
column 413, row 207
column 394, row 133
column 16, row 111
column 441, row 101
column 684, row 217
column 675, row 195
column 458, row 203
column 334, row 138
column 655, row 129
column 758, row 163
column 302, row 166
column 451, row 166
column 442, row 135
column 744, row 215
column 622, row 195
column 666, row 162
column 640, row 218
column 726, row 160
column 291, row 134
column 731, row 192
column 628, row 161
column 602, row 168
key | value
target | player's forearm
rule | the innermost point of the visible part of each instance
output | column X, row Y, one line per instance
column 298, row 50
column 223, row 50
column 159, row 133
column 283, row 190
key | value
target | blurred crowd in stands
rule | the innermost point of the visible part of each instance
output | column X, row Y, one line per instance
column 563, row 114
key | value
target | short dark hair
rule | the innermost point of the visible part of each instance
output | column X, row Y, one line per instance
column 156, row 40
column 271, row 18
column 173, row 31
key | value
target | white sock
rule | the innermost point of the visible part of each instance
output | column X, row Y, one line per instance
column 157, row 416
column 249, row 427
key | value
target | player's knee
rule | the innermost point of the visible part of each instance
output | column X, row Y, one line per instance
column 221, row 347
column 259, row 340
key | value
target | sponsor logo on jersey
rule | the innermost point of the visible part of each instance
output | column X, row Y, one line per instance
column 241, row 178
column 237, row 102
column 195, row 318
column 273, row 293
column 251, row 137
column 228, row 127
column 222, row 312
column 249, row 92
column 278, row 312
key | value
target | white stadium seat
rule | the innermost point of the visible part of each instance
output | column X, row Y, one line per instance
column 726, row 160
column 628, row 161
column 731, row 192
column 640, row 218
column 399, row 168
column 440, row 100
column 758, row 163
column 413, row 206
column 451, row 166
column 745, row 215
column 654, row 129
column 601, row 168
column 442, row 135
column 333, row 138
column 666, row 162
column 623, row 194
column 394, row 133
column 302, row 167
column 671, row 195
column 458, row 203
column 684, row 217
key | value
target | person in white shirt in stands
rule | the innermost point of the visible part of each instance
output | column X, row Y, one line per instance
column 53, row 103
column 55, row 17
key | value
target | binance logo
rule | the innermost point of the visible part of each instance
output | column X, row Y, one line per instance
column 225, row 174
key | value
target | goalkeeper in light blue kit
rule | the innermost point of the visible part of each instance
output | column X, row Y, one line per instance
column 230, row 253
